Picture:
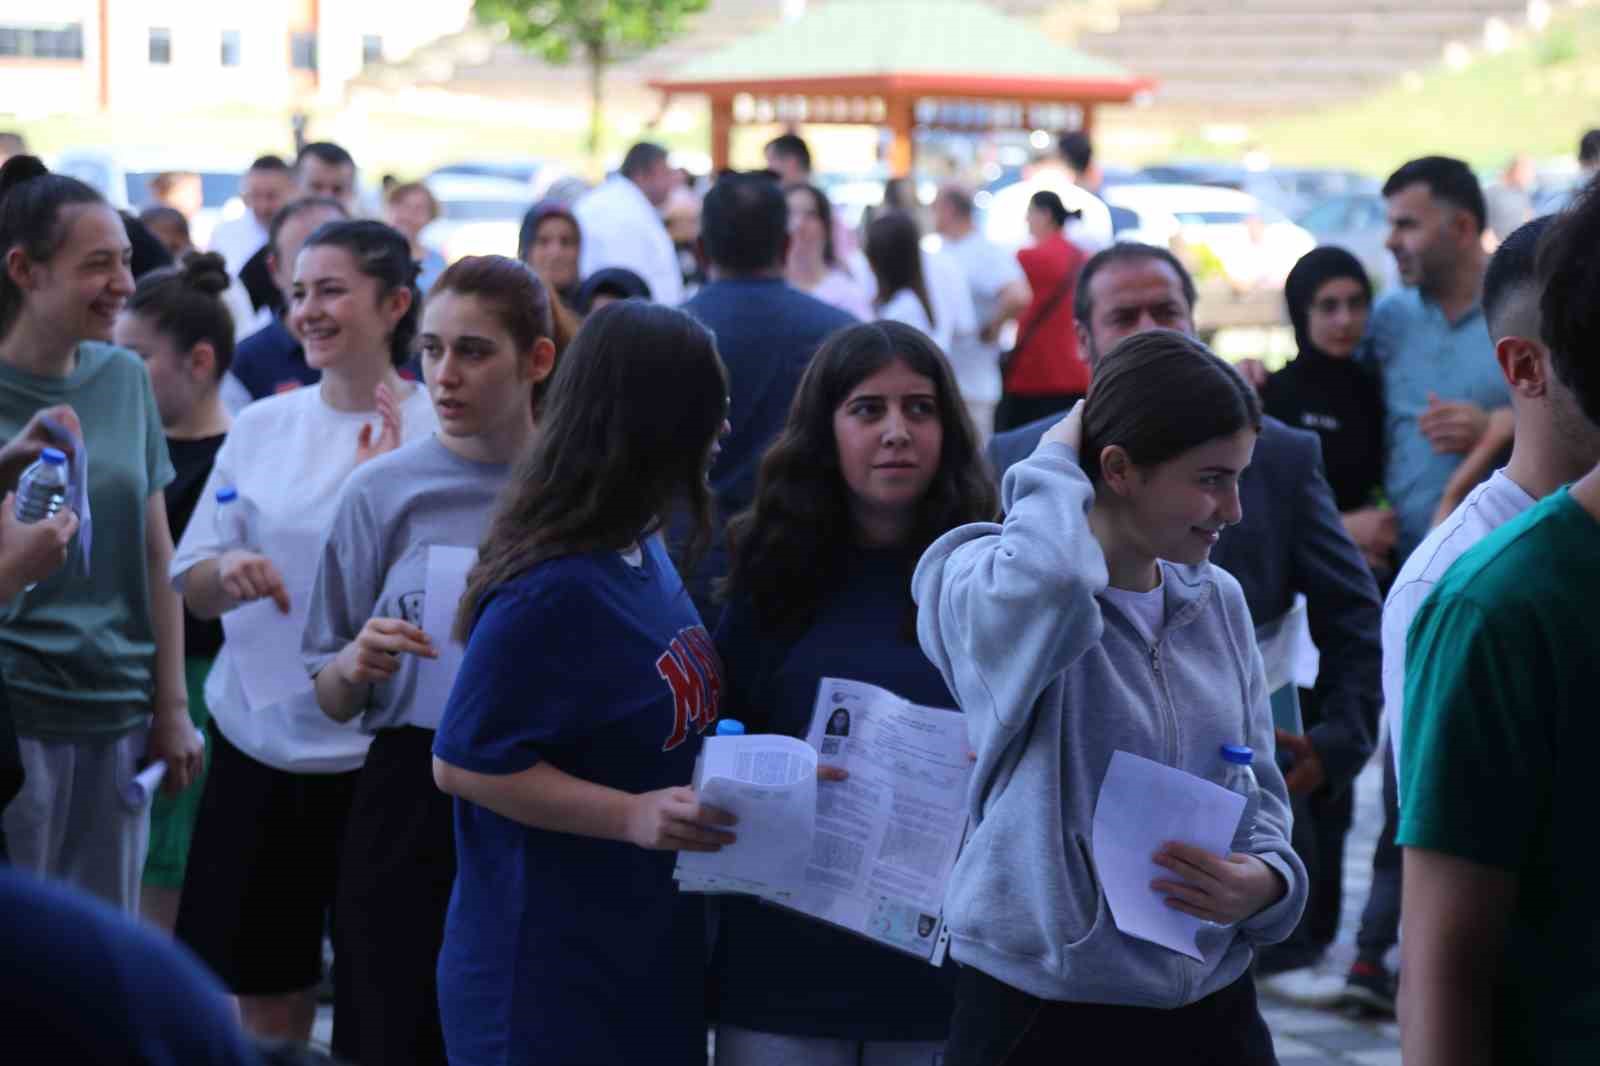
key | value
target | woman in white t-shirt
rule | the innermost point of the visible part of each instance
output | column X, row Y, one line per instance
column 895, row 254
column 813, row 265
column 265, row 854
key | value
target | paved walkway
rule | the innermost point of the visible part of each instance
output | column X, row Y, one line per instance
column 1304, row 1037
column 1307, row 1037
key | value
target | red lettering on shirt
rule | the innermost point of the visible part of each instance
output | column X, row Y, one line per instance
column 695, row 683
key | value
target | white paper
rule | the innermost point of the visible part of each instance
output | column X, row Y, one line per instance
column 879, row 846
column 263, row 642
column 770, row 784
column 1143, row 805
column 142, row 789
column 443, row 588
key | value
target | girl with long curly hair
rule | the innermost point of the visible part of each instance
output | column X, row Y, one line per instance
column 878, row 458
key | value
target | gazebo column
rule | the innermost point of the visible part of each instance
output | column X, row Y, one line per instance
column 1088, row 118
column 901, row 117
column 721, row 131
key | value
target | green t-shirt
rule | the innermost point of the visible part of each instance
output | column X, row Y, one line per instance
column 1502, row 720
column 79, row 653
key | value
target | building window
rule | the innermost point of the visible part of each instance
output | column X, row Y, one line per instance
column 230, row 48
column 303, row 51
column 371, row 48
column 62, row 41
column 160, row 46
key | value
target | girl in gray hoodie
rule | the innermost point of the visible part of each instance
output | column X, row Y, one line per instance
column 1091, row 621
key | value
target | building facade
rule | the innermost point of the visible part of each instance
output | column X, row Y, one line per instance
column 77, row 56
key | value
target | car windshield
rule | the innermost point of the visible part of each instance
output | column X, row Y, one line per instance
column 217, row 187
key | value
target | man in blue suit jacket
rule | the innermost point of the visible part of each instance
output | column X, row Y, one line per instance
column 1291, row 540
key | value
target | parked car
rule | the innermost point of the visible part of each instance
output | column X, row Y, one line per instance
column 1252, row 243
column 478, row 215
column 1358, row 223
column 123, row 178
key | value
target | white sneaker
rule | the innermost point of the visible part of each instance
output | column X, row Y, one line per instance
column 1307, row 987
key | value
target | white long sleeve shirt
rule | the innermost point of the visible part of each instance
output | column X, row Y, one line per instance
column 288, row 456
column 620, row 228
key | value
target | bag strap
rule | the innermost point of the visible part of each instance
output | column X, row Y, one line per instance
column 1045, row 312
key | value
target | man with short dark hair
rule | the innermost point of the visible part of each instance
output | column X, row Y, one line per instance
column 265, row 188
column 767, row 332
column 1501, row 948
column 324, row 169
column 1432, row 348
column 1291, row 540
column 1078, row 151
column 789, row 157
column 622, row 227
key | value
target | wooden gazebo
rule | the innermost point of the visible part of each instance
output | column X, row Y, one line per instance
column 938, row 64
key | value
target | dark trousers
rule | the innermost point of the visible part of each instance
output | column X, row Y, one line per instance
column 1380, row 920
column 397, row 869
column 1014, row 410
column 1321, row 824
column 997, row 1025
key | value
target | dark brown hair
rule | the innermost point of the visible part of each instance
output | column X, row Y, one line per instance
column 788, row 551
column 625, row 437
column 32, row 202
column 1159, row 393
column 184, row 304
column 515, row 295
column 894, row 252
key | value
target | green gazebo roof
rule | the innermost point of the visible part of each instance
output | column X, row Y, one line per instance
column 952, row 46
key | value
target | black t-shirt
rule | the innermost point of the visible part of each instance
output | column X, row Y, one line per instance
column 193, row 460
column 1340, row 401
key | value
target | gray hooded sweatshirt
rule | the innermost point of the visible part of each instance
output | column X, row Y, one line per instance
column 1053, row 679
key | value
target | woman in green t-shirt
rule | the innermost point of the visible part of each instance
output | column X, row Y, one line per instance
column 93, row 656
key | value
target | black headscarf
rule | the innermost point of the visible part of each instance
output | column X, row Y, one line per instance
column 620, row 282
column 1316, row 268
column 530, row 228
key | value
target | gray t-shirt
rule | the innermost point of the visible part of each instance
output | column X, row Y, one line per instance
column 375, row 560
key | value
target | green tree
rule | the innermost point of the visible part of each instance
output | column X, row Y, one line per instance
column 600, row 31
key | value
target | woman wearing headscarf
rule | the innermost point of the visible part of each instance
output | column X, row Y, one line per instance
column 549, row 244
column 1330, row 392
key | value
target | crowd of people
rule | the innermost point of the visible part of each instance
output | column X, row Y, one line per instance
column 677, row 488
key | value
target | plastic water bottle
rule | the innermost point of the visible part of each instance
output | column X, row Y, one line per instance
column 1237, row 776
column 729, row 727
column 43, row 488
column 233, row 519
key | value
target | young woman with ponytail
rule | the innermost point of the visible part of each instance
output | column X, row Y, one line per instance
column 93, row 656
column 178, row 324
column 264, row 862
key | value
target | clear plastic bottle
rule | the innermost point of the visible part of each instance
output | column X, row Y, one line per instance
column 233, row 520
column 42, row 491
column 729, row 727
column 1237, row 776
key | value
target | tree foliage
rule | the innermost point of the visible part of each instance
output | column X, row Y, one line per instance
column 597, row 31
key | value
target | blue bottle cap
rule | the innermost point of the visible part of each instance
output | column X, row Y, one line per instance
column 53, row 455
column 1238, row 754
column 227, row 495
column 730, row 727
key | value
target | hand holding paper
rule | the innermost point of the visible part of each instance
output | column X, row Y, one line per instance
column 1218, row 889
column 1143, row 807
column 674, row 819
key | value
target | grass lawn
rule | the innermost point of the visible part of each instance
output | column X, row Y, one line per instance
column 1538, row 96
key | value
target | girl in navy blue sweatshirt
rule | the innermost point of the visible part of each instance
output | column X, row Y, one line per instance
column 878, row 458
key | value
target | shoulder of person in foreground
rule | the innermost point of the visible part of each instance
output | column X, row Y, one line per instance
column 151, row 1000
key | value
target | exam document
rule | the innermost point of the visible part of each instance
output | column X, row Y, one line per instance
column 770, row 784
column 1142, row 805
column 879, row 846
